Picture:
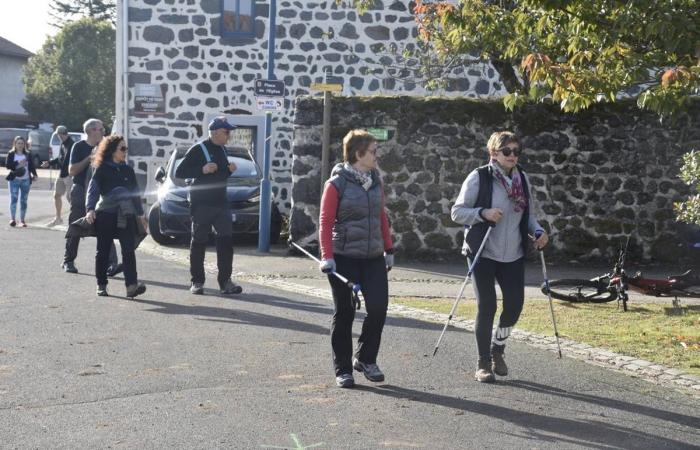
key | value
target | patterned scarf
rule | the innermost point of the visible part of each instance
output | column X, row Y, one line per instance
column 513, row 185
column 364, row 179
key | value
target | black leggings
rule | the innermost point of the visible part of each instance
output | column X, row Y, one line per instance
column 511, row 279
column 107, row 231
column 371, row 275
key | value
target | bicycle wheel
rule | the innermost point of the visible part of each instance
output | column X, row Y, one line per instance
column 574, row 290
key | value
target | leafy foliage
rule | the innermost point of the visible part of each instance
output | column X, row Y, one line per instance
column 72, row 77
column 576, row 52
column 64, row 11
column 689, row 211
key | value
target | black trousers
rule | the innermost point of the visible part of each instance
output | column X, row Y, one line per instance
column 203, row 218
column 107, row 231
column 77, row 210
column 371, row 275
column 511, row 279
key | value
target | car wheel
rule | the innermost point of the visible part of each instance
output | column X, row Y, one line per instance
column 275, row 225
column 154, row 226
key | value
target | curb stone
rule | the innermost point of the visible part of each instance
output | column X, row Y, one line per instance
column 627, row 365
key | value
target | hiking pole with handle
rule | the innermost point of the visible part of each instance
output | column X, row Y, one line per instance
column 549, row 295
column 464, row 285
column 354, row 287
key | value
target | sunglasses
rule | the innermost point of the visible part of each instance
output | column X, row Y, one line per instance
column 507, row 151
column 124, row 149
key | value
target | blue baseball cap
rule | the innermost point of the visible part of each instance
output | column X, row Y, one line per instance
column 220, row 122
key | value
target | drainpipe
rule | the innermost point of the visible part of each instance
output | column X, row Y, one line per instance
column 125, row 68
column 265, row 188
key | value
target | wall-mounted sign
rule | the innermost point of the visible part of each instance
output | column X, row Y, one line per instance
column 269, row 104
column 380, row 134
column 332, row 87
column 269, row 88
column 149, row 99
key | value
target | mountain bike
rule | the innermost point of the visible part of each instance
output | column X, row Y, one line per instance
column 614, row 285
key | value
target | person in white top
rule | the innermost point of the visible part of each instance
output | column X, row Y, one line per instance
column 19, row 180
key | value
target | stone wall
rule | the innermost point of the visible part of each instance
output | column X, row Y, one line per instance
column 597, row 177
column 177, row 43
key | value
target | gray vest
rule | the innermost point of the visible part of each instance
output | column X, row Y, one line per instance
column 357, row 232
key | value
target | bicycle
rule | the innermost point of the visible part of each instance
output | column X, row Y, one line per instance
column 614, row 285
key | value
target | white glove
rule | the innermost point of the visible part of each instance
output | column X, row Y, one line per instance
column 389, row 260
column 327, row 265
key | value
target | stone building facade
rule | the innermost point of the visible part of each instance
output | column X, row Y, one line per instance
column 597, row 176
column 178, row 45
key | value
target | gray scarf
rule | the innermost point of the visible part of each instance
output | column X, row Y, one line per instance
column 364, row 179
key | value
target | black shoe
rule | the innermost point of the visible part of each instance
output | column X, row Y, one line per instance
column 135, row 289
column 69, row 267
column 484, row 372
column 114, row 269
column 230, row 288
column 345, row 380
column 102, row 290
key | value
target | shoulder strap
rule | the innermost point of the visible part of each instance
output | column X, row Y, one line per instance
column 483, row 198
column 205, row 151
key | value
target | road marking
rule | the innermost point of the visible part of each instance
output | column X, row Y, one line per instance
column 297, row 443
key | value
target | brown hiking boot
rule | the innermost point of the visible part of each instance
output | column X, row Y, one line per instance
column 499, row 364
column 484, row 374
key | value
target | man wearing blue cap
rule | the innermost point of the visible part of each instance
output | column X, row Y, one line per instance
column 207, row 165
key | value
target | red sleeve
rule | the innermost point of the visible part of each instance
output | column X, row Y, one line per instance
column 326, row 220
column 386, row 232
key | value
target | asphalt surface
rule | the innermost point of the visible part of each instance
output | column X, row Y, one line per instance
column 172, row 370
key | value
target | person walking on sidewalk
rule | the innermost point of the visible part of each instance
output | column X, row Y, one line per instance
column 207, row 164
column 19, row 180
column 355, row 240
column 497, row 193
column 79, row 169
column 114, row 205
column 63, row 182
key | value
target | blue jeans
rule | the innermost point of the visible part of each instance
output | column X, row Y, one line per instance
column 19, row 188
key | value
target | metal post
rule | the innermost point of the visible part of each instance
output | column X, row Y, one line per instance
column 265, row 187
column 326, row 146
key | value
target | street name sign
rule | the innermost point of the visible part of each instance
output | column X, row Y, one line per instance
column 269, row 88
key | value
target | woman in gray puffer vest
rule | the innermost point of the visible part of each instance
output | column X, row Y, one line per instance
column 355, row 241
column 504, row 201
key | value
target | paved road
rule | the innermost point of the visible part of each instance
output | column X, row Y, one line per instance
column 170, row 370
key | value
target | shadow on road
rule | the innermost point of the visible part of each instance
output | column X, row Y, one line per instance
column 591, row 433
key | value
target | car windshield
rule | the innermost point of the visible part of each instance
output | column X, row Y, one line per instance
column 246, row 171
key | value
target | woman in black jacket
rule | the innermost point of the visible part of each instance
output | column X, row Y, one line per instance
column 113, row 204
column 19, row 180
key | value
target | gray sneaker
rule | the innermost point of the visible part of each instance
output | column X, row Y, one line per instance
column 197, row 288
column 345, row 380
column 484, row 372
column 371, row 371
column 499, row 364
column 230, row 288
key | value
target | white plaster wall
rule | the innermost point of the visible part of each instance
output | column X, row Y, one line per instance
column 11, row 87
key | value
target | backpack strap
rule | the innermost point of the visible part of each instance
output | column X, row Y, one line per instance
column 205, row 151
column 483, row 198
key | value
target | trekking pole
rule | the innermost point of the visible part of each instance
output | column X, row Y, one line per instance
column 464, row 285
column 354, row 287
column 549, row 295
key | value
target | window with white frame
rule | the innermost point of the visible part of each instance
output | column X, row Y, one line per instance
column 238, row 18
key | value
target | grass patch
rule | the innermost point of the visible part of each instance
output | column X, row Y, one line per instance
column 651, row 331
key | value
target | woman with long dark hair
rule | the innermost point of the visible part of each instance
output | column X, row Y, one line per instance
column 19, row 180
column 113, row 204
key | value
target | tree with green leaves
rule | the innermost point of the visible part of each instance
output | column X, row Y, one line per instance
column 578, row 53
column 63, row 11
column 72, row 77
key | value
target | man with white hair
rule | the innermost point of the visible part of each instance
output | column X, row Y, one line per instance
column 79, row 169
